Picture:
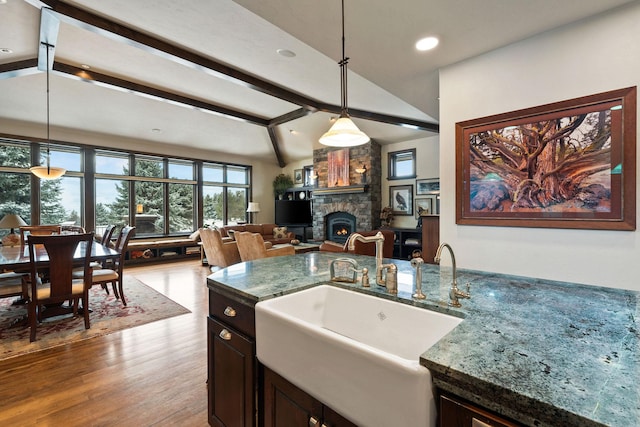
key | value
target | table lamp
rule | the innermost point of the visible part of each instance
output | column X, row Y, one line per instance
column 11, row 221
column 254, row 207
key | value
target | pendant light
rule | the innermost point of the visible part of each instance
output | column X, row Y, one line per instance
column 344, row 133
column 48, row 171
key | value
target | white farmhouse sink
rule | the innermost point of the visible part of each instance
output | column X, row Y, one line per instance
column 357, row 353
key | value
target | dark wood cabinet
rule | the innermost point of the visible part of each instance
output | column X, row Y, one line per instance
column 232, row 364
column 456, row 412
column 430, row 237
column 285, row 405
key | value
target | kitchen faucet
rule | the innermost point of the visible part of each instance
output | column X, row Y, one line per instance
column 454, row 293
column 390, row 280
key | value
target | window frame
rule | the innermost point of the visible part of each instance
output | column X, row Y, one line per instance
column 394, row 157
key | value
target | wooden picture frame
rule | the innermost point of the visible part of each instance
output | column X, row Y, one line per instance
column 298, row 176
column 428, row 186
column 424, row 203
column 401, row 199
column 569, row 164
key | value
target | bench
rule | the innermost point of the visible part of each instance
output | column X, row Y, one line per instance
column 161, row 249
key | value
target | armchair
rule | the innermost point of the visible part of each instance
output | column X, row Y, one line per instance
column 217, row 252
column 252, row 246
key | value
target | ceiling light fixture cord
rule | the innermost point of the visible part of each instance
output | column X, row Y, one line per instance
column 343, row 75
column 47, row 46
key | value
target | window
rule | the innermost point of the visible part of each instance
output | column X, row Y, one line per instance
column 157, row 194
column 402, row 164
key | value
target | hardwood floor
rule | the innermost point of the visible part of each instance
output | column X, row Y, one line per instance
column 150, row 375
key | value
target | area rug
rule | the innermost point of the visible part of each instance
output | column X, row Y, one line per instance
column 144, row 305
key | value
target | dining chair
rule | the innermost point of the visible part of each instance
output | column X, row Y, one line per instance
column 37, row 230
column 14, row 284
column 47, row 295
column 251, row 246
column 104, row 276
column 72, row 229
column 108, row 234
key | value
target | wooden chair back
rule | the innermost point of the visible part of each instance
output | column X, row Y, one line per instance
column 108, row 234
column 59, row 285
column 121, row 245
column 72, row 229
column 38, row 230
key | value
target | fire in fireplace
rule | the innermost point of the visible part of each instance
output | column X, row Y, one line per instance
column 339, row 225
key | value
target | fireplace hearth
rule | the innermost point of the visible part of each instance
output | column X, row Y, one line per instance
column 339, row 225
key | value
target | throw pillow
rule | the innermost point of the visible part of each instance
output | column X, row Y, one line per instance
column 279, row 232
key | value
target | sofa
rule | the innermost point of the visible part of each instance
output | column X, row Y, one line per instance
column 363, row 248
column 282, row 235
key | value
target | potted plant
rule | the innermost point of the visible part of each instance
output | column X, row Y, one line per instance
column 281, row 184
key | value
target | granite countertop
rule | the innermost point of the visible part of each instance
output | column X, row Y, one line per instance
column 538, row 351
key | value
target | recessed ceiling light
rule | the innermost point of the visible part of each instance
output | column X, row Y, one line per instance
column 5, row 49
column 3, row 1
column 427, row 43
column 286, row 53
column 85, row 66
column 156, row 130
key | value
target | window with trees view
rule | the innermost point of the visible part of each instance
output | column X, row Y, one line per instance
column 158, row 195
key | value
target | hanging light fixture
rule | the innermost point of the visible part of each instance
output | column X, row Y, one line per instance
column 344, row 133
column 48, row 171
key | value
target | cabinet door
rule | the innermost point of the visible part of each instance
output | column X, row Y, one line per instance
column 457, row 413
column 231, row 377
column 285, row 405
column 331, row 418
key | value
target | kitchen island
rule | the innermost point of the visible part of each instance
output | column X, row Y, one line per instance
column 535, row 351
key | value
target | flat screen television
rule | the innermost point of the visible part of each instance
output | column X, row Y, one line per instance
column 293, row 212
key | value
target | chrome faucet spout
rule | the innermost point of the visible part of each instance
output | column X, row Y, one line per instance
column 453, row 260
column 390, row 280
column 454, row 293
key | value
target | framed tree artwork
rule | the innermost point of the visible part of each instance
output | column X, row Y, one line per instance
column 401, row 199
column 570, row 164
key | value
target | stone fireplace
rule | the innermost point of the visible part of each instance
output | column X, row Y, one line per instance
column 339, row 225
column 362, row 202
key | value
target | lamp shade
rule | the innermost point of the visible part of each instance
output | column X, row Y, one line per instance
column 50, row 172
column 253, row 207
column 11, row 221
column 344, row 133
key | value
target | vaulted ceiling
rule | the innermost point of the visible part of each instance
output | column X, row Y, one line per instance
column 206, row 73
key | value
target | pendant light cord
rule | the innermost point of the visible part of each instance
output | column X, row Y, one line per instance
column 46, row 45
column 344, row 110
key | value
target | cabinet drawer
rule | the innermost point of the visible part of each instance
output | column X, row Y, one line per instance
column 455, row 412
column 232, row 313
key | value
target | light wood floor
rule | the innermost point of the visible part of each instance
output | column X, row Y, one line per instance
column 150, row 375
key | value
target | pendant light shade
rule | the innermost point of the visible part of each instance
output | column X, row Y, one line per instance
column 48, row 171
column 344, row 133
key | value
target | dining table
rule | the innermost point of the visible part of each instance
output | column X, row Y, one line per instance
column 16, row 258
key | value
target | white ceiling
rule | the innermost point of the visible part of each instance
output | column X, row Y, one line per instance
column 387, row 75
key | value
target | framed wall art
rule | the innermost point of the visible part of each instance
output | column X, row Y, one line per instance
column 401, row 199
column 428, row 186
column 424, row 206
column 338, row 168
column 570, row 164
column 298, row 176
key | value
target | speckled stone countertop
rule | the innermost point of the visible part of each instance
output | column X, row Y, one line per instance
column 537, row 351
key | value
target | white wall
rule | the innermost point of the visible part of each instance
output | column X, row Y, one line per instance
column 593, row 56
column 427, row 166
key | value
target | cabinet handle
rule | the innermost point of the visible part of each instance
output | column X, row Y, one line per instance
column 230, row 312
column 225, row 335
column 313, row 422
column 477, row 423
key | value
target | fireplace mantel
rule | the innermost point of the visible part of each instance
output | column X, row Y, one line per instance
column 349, row 189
